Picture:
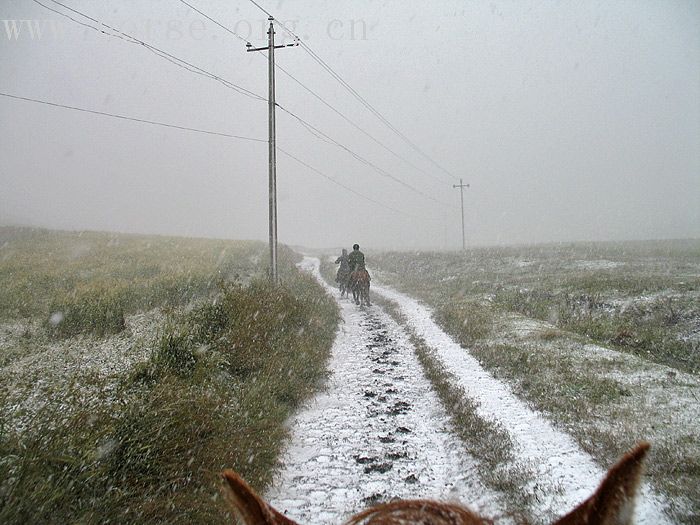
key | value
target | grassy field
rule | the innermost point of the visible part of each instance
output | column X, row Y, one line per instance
column 642, row 298
column 87, row 282
column 603, row 338
column 134, row 369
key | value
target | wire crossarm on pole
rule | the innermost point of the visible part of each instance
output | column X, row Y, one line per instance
column 249, row 46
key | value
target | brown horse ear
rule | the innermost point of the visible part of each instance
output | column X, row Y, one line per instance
column 613, row 502
column 250, row 508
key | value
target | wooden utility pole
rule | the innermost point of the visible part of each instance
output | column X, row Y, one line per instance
column 461, row 187
column 272, row 152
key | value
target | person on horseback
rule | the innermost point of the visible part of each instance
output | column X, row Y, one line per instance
column 356, row 258
column 359, row 278
column 344, row 269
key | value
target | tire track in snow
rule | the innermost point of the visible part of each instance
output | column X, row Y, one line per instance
column 378, row 432
column 564, row 475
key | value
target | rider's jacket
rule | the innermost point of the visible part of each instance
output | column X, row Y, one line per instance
column 356, row 259
column 344, row 262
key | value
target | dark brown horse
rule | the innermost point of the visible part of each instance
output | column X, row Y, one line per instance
column 359, row 283
column 343, row 280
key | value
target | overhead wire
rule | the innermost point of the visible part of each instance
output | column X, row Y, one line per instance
column 135, row 119
column 354, row 93
column 215, row 22
column 320, row 134
column 348, row 188
column 353, row 124
column 216, row 133
column 316, row 132
column 263, row 10
column 372, row 109
column 116, row 33
column 121, row 35
column 311, row 91
column 196, row 69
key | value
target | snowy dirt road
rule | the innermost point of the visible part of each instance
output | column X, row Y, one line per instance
column 379, row 432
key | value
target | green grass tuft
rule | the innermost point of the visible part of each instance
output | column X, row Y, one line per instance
column 96, row 310
column 471, row 320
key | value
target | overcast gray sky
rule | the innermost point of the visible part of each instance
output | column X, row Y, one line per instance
column 569, row 120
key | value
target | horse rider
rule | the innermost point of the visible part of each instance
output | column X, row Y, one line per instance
column 344, row 265
column 356, row 258
column 359, row 272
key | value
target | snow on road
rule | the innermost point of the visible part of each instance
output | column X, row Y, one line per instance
column 378, row 432
column 565, row 475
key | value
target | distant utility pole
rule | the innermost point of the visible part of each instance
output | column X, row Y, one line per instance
column 461, row 187
column 270, row 48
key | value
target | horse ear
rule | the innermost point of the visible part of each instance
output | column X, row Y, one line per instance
column 250, row 508
column 613, row 502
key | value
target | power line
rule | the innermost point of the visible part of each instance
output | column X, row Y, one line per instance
column 215, row 22
column 347, row 119
column 195, row 69
column 135, row 119
column 338, row 183
column 266, row 12
column 157, row 51
column 353, row 124
column 209, row 132
column 317, row 132
column 355, row 94
column 371, row 108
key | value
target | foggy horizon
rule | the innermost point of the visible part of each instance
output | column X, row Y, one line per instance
column 348, row 245
column 570, row 122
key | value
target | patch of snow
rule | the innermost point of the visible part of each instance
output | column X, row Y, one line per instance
column 51, row 367
column 565, row 474
column 625, row 303
column 601, row 264
column 378, row 432
column 526, row 327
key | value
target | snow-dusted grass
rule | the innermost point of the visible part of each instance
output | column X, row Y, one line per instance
column 646, row 297
column 76, row 373
column 214, row 393
column 641, row 297
column 606, row 399
column 88, row 282
column 136, row 426
column 484, row 439
column 560, row 474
